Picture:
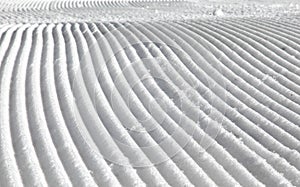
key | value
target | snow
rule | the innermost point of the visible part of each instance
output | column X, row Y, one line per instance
column 149, row 93
column 218, row 12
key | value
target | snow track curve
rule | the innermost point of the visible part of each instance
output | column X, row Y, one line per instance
column 176, row 102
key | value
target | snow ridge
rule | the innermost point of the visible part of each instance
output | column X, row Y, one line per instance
column 199, row 102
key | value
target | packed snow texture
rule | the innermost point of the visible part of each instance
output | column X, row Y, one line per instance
column 149, row 93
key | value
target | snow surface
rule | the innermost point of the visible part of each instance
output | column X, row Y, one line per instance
column 149, row 93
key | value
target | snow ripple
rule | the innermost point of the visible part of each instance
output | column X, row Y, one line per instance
column 199, row 102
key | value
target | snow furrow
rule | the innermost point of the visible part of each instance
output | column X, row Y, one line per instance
column 36, row 5
column 268, row 50
column 285, row 29
column 282, row 111
column 157, row 132
column 92, row 157
column 197, row 120
column 262, row 99
column 140, row 139
column 115, row 127
column 293, row 174
column 262, row 53
column 10, row 175
column 267, row 72
column 126, row 174
column 238, row 107
column 149, row 93
column 24, row 151
column 225, row 154
column 283, row 40
column 45, row 148
column 240, row 155
column 77, row 171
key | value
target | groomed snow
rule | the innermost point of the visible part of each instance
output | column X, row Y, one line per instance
column 149, row 93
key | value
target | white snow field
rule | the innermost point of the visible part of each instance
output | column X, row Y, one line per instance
column 149, row 93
